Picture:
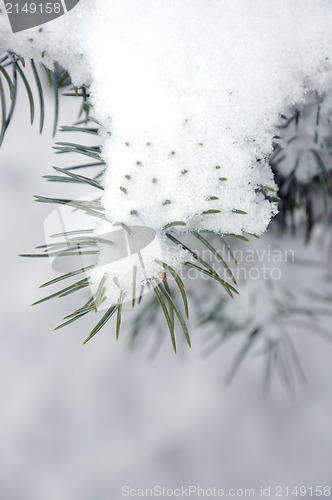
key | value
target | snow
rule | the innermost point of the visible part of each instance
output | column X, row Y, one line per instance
column 185, row 88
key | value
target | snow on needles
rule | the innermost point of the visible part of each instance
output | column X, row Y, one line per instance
column 191, row 93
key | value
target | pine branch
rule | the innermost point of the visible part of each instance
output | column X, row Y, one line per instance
column 12, row 69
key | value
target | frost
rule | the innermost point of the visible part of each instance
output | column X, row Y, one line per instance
column 190, row 93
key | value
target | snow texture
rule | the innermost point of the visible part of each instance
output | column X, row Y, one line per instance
column 189, row 96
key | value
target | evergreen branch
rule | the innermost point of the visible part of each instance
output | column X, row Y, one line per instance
column 91, row 208
column 56, row 79
column 13, row 98
column 3, row 112
column 209, row 271
column 100, row 293
column 70, row 233
column 75, row 317
column 80, row 178
column 118, row 318
column 166, row 314
column 175, row 308
column 226, row 245
column 88, row 306
column 214, row 276
column 65, row 291
column 54, row 82
column 164, row 285
column 40, row 94
column 107, row 316
column 173, row 224
column 29, row 92
column 85, row 130
column 66, row 276
column 134, row 286
column 179, row 283
column 86, row 165
column 216, row 254
column 8, row 80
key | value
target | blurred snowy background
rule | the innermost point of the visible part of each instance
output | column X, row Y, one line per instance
column 78, row 423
